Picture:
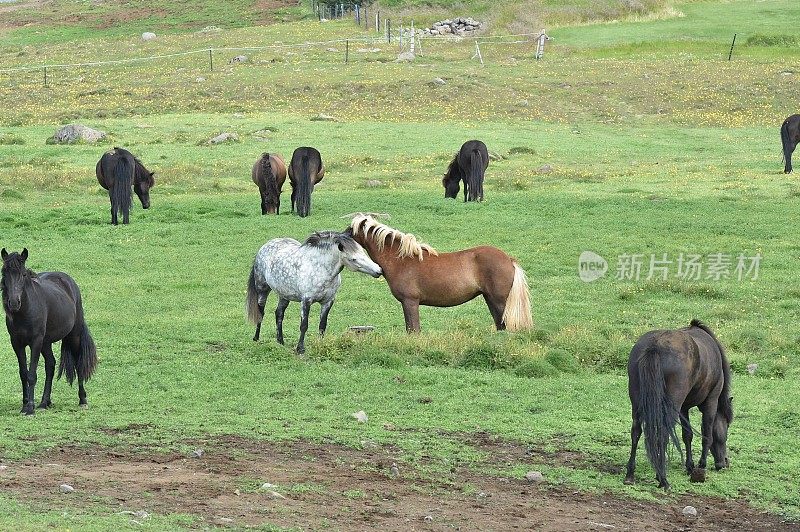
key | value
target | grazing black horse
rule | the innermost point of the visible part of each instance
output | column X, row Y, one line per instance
column 116, row 171
column 269, row 173
column 790, row 137
column 669, row 372
column 42, row 309
column 469, row 165
column 305, row 171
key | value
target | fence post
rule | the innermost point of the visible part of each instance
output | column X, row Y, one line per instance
column 378, row 21
column 389, row 31
column 45, row 76
column 732, row 43
column 366, row 18
column 358, row 15
column 346, row 51
column 211, row 59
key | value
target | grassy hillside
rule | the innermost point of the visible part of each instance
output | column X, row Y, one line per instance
column 654, row 143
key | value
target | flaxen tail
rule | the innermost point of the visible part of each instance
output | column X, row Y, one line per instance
column 517, row 314
column 656, row 411
column 254, row 314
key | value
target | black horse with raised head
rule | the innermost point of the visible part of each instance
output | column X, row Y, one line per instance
column 669, row 372
column 469, row 165
column 790, row 138
column 305, row 171
column 42, row 309
column 118, row 170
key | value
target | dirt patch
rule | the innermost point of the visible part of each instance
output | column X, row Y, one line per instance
column 121, row 17
column 324, row 485
column 266, row 8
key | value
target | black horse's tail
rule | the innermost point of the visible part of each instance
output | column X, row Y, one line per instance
column 655, row 411
column 786, row 143
column 270, row 183
column 474, row 183
column 304, row 188
column 254, row 314
column 123, row 179
column 80, row 362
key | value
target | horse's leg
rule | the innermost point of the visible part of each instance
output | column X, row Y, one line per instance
column 19, row 350
column 262, row 301
column 82, row 394
column 263, row 202
column 411, row 314
column 279, row 312
column 305, row 308
column 323, row 316
column 36, row 350
column 709, row 411
column 496, row 309
column 49, row 370
column 114, row 206
column 636, row 433
column 686, row 433
column 293, row 193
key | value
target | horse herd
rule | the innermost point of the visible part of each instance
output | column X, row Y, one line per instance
column 669, row 371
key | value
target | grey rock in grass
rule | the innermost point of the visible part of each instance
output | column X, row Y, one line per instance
column 323, row 118
column 360, row 416
column 534, row 476
column 439, row 81
column 197, row 453
column 148, row 36
column 224, row 137
column 77, row 132
column 689, row 511
column 545, row 169
column 752, row 368
column 494, row 156
column 66, row 488
column 405, row 57
column 239, row 59
column 394, row 471
column 210, row 29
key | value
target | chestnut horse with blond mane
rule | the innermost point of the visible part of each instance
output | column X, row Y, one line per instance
column 418, row 275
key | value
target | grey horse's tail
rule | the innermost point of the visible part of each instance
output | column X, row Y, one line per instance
column 254, row 314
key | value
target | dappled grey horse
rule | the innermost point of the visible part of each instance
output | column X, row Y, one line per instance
column 308, row 273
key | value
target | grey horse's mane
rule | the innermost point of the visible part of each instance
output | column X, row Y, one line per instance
column 328, row 239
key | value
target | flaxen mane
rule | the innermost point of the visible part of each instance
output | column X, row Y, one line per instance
column 409, row 246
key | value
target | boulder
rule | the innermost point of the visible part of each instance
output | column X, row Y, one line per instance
column 148, row 36
column 77, row 133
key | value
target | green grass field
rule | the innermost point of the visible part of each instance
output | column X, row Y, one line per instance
column 657, row 145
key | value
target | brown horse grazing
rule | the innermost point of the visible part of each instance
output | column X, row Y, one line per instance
column 669, row 372
column 116, row 171
column 790, row 138
column 269, row 173
column 305, row 171
column 469, row 165
column 418, row 275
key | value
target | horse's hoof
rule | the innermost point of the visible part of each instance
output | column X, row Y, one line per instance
column 27, row 411
column 84, row 406
column 44, row 406
column 698, row 475
column 629, row 481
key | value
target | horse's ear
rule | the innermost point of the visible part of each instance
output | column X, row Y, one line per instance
column 24, row 254
column 4, row 254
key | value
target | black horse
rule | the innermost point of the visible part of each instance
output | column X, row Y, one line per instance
column 669, row 372
column 42, row 309
column 305, row 171
column 469, row 165
column 790, row 137
column 116, row 171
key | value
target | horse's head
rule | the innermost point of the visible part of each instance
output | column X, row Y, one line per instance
column 14, row 276
column 142, row 184
column 719, row 443
column 354, row 257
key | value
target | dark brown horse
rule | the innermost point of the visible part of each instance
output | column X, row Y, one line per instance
column 418, row 275
column 269, row 173
column 116, row 171
column 790, row 137
column 305, row 171
column 469, row 165
column 669, row 372
column 42, row 309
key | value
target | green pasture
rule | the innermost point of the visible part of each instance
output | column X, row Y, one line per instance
column 634, row 137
